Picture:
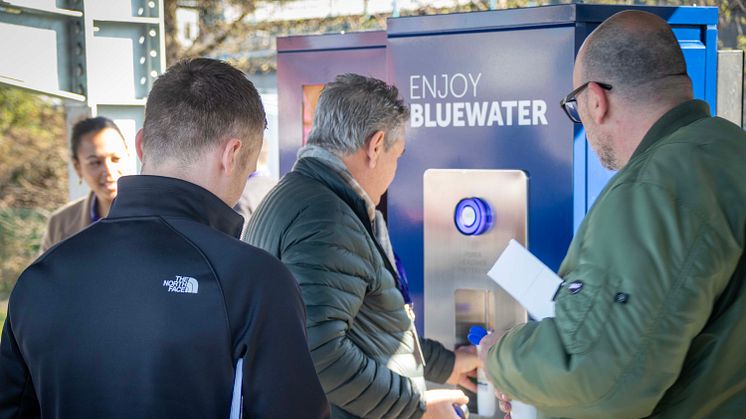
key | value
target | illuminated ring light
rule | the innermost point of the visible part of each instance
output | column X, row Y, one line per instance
column 473, row 216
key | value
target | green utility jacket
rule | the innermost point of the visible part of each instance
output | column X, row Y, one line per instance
column 361, row 339
column 651, row 318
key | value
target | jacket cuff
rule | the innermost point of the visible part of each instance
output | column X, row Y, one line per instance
column 438, row 361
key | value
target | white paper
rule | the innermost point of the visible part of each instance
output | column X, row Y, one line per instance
column 526, row 279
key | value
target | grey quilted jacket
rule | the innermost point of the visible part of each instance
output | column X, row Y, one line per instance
column 361, row 339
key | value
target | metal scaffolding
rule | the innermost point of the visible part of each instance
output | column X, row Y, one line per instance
column 99, row 57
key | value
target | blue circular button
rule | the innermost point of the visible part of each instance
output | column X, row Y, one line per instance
column 473, row 216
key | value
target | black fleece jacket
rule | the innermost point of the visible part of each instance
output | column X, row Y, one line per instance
column 147, row 312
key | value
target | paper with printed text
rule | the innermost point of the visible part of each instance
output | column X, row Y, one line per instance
column 526, row 279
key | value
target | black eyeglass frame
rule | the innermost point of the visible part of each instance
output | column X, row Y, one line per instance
column 571, row 97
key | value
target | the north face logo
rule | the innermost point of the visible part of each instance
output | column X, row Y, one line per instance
column 182, row 284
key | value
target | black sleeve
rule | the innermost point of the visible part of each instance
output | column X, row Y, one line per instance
column 438, row 361
column 282, row 381
column 17, row 396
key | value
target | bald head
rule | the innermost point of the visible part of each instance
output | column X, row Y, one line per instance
column 638, row 54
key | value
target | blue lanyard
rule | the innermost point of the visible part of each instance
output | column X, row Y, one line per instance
column 403, row 281
column 94, row 210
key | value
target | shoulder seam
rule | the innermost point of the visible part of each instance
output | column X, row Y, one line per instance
column 214, row 273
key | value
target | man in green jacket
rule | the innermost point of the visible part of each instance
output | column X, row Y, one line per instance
column 321, row 221
column 651, row 318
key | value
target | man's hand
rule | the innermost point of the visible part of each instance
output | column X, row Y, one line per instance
column 465, row 366
column 504, row 402
column 440, row 403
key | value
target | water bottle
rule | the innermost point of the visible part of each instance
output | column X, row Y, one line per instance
column 486, row 400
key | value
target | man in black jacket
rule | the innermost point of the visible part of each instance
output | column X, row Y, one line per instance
column 159, row 310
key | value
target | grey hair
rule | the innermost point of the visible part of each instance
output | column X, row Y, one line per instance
column 351, row 109
column 638, row 54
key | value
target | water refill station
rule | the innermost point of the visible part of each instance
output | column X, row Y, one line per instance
column 490, row 154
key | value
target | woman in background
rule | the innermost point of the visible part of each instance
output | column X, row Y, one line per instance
column 100, row 157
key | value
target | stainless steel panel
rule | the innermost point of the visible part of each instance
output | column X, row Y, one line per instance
column 458, row 292
column 456, row 265
column 472, row 307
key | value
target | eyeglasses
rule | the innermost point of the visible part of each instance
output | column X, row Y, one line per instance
column 570, row 104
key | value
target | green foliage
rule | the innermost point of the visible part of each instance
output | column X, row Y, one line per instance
column 33, row 177
column 21, row 231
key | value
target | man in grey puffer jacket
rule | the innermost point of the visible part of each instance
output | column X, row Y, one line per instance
column 321, row 221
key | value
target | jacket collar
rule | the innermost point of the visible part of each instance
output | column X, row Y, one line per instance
column 320, row 171
column 326, row 175
column 680, row 116
column 333, row 161
column 146, row 195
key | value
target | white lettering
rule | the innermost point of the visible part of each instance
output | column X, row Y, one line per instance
column 475, row 114
column 429, row 123
column 509, row 105
column 523, row 112
column 443, row 114
column 182, row 285
column 539, row 112
column 415, row 113
column 458, row 114
column 412, row 87
column 426, row 86
column 453, row 89
column 441, row 86
column 495, row 115
column 475, row 82
column 443, row 93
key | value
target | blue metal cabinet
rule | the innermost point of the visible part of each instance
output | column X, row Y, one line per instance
column 523, row 61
